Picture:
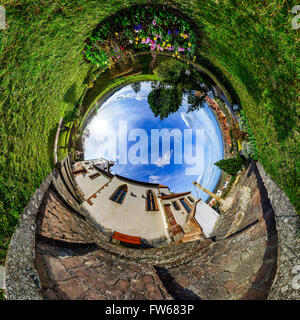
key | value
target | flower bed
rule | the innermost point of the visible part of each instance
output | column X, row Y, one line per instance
column 141, row 29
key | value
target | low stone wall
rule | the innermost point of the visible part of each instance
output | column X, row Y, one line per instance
column 22, row 280
column 286, row 284
column 59, row 222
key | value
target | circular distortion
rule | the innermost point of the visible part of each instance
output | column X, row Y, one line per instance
column 157, row 191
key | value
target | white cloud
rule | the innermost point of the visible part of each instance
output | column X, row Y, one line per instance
column 187, row 120
column 165, row 159
column 154, row 179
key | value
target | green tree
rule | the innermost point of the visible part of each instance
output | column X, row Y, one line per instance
column 195, row 101
column 231, row 166
column 171, row 71
column 164, row 101
column 136, row 86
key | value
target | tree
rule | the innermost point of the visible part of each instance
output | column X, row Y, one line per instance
column 195, row 101
column 231, row 166
column 136, row 86
column 164, row 101
column 171, row 71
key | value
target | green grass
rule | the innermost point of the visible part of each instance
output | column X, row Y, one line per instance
column 42, row 76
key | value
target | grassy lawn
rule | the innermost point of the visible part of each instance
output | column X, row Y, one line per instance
column 43, row 74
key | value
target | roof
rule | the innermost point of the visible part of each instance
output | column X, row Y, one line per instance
column 149, row 184
column 162, row 186
column 104, row 171
column 175, row 195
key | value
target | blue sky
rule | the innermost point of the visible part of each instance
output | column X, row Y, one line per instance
column 126, row 105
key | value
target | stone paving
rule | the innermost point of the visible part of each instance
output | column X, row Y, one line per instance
column 89, row 273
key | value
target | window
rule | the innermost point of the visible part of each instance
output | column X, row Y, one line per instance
column 151, row 204
column 186, row 205
column 176, row 205
column 94, row 176
column 191, row 199
column 119, row 194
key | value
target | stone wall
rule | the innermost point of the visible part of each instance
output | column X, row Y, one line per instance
column 56, row 220
column 22, row 280
column 285, row 285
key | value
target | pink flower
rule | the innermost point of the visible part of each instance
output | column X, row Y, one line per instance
column 153, row 46
column 154, row 22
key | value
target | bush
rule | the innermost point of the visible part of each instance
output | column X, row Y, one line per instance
column 242, row 124
column 245, row 149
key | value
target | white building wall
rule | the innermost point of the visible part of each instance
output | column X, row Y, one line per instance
column 89, row 186
column 130, row 217
column 206, row 217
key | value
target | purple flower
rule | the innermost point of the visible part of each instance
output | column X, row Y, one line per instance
column 169, row 31
column 147, row 40
column 176, row 31
column 170, row 48
column 154, row 22
column 137, row 28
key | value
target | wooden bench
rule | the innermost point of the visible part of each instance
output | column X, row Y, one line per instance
column 125, row 238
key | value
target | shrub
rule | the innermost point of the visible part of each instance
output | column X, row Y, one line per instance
column 231, row 166
column 242, row 124
column 245, row 149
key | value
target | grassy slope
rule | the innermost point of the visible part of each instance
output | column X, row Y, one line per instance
column 42, row 74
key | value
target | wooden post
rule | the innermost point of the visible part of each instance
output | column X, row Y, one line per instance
column 219, row 199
